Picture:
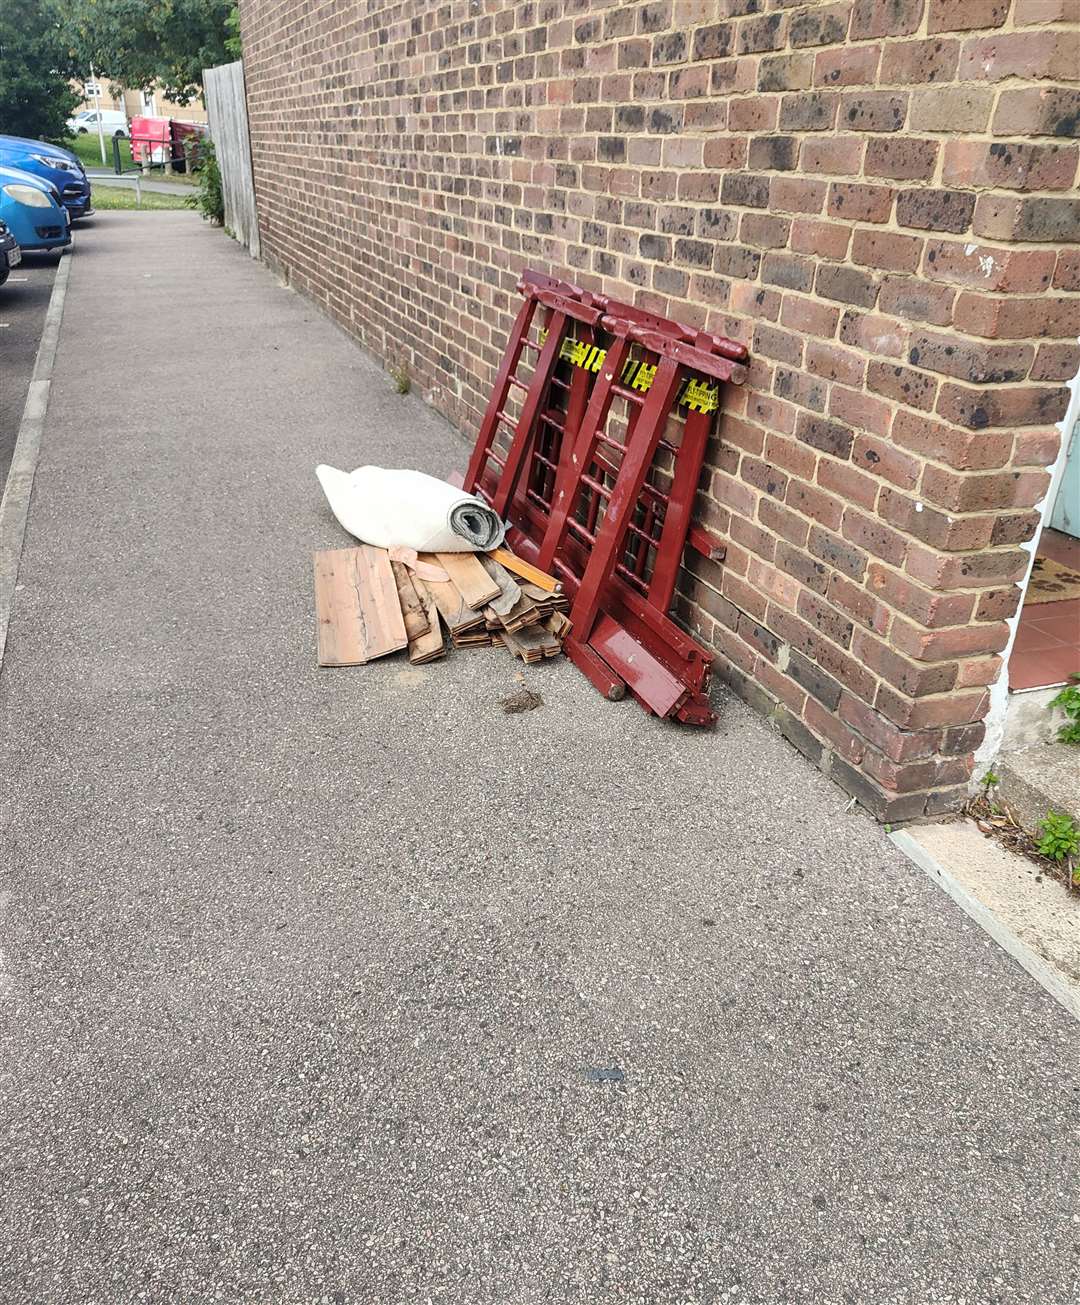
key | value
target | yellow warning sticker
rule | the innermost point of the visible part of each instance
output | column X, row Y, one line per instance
column 700, row 396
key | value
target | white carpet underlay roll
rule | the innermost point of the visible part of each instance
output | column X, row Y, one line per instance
column 408, row 509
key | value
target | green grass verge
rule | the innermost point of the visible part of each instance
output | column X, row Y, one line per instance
column 106, row 197
column 89, row 151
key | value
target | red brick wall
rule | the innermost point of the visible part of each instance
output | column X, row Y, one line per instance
column 875, row 194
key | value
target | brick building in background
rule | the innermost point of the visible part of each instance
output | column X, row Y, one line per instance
column 876, row 195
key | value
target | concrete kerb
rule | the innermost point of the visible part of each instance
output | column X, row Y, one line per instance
column 15, row 505
column 1024, row 956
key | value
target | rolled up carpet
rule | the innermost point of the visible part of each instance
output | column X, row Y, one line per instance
column 407, row 509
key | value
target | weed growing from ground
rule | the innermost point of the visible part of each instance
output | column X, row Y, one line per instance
column 1069, row 702
column 1059, row 837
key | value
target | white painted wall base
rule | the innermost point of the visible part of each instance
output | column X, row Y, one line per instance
column 1029, row 719
column 1001, row 700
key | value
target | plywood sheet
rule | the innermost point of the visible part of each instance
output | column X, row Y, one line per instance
column 357, row 607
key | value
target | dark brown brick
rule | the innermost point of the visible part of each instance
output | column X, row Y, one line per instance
column 872, row 111
column 745, row 189
column 885, row 249
column 785, row 72
column 789, row 271
column 766, row 32
column 917, row 300
column 798, row 736
column 713, row 42
column 847, row 285
column 935, row 210
column 1010, row 165
column 1042, row 219
column 830, row 436
column 765, row 230
column 903, row 384
column 826, row 25
column 774, row 153
column 901, row 158
column 907, row 62
column 860, row 203
column 809, row 111
column 981, row 364
column 885, row 18
column 1030, row 405
column 963, row 15
column 1038, row 111
column 885, row 806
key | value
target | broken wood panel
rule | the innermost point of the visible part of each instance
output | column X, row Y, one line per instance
column 558, row 624
column 455, row 612
column 509, row 589
column 356, row 604
column 523, row 613
column 511, row 644
column 472, row 581
column 412, row 609
column 427, row 647
column 535, row 639
column 555, row 602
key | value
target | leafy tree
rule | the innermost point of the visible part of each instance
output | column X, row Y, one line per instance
column 35, row 97
column 138, row 43
column 233, row 42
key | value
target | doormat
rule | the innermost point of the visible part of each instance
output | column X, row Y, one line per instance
column 1051, row 582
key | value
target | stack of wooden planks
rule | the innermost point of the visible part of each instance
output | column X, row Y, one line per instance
column 369, row 605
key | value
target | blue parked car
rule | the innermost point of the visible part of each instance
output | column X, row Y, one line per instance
column 10, row 253
column 50, row 163
column 32, row 211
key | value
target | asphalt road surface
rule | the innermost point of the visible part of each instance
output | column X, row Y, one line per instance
column 24, row 301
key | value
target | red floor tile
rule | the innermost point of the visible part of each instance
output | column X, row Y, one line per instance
column 1031, row 638
column 1034, row 670
column 1047, row 646
column 1061, row 607
column 1065, row 628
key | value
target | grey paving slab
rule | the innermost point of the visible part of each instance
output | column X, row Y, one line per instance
column 308, row 975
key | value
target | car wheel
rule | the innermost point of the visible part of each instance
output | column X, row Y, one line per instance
column 119, row 133
column 5, row 272
column 82, row 131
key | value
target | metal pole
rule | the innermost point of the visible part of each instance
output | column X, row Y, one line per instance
column 97, row 106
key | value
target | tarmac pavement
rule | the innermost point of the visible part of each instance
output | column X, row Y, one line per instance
column 344, row 986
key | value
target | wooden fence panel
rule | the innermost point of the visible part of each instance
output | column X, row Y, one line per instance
column 227, row 108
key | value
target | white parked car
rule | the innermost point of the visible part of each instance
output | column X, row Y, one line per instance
column 113, row 121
